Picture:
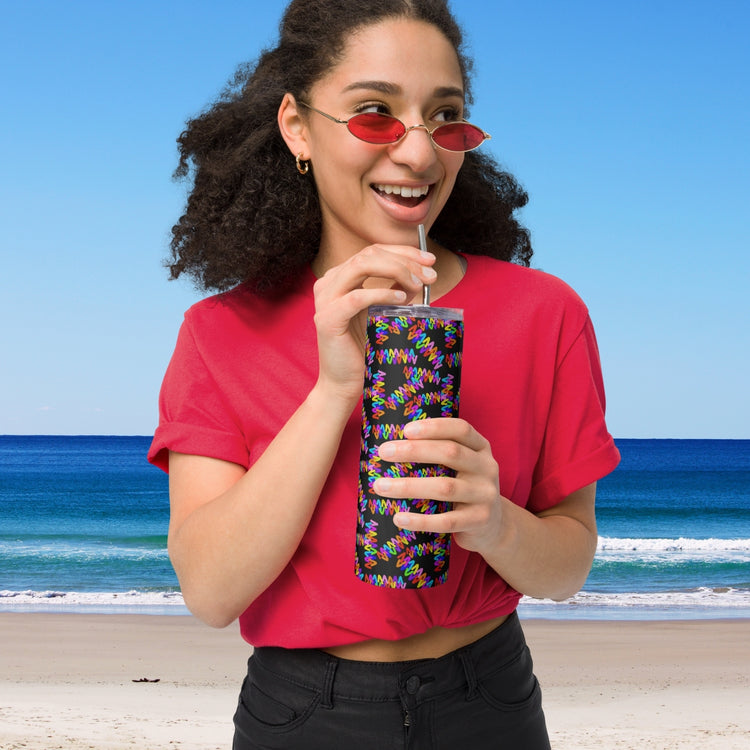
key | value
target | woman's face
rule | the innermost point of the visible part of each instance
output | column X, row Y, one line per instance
column 405, row 68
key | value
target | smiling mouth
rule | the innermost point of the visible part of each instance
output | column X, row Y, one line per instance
column 403, row 195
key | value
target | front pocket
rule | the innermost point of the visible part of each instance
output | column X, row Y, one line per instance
column 512, row 687
column 270, row 703
column 267, row 709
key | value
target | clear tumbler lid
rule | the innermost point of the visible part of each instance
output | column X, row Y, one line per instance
column 415, row 311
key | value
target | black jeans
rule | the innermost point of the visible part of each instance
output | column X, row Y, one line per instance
column 480, row 697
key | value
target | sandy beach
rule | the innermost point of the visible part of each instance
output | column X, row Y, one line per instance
column 67, row 681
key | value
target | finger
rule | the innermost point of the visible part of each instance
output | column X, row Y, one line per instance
column 441, row 489
column 409, row 252
column 404, row 269
column 336, row 316
column 446, row 428
column 444, row 452
column 455, row 492
column 404, row 265
column 452, row 522
column 461, row 518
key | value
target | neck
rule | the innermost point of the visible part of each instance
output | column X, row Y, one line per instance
column 331, row 255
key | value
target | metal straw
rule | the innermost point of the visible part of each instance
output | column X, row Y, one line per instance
column 423, row 248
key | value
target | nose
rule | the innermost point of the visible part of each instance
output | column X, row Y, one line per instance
column 415, row 149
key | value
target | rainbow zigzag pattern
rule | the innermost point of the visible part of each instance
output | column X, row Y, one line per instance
column 413, row 371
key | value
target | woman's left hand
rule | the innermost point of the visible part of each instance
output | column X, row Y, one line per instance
column 476, row 517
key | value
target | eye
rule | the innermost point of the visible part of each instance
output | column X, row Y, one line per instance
column 448, row 114
column 368, row 107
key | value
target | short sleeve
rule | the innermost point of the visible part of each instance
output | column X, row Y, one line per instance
column 194, row 416
column 577, row 448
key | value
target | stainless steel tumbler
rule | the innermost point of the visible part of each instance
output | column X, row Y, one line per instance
column 413, row 371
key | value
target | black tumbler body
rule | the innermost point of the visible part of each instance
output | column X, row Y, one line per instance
column 412, row 371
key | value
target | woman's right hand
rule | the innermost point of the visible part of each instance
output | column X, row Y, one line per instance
column 377, row 275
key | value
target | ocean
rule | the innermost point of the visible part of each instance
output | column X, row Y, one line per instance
column 83, row 528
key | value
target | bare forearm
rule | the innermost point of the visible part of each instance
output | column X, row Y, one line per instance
column 547, row 556
column 227, row 551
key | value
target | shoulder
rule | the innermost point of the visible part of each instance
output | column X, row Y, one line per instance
column 220, row 307
column 241, row 308
column 530, row 288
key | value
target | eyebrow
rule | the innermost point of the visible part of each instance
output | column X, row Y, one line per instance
column 392, row 89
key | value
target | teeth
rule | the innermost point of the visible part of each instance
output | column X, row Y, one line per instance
column 404, row 192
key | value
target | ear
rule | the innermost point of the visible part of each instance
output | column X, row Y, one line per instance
column 293, row 128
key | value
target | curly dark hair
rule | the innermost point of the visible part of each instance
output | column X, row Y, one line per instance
column 250, row 217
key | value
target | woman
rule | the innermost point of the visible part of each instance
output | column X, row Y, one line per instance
column 308, row 212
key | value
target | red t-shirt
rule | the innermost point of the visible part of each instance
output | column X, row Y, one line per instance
column 531, row 384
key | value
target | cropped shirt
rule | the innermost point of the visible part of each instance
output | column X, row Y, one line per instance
column 531, row 384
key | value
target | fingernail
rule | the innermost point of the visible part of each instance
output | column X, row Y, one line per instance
column 399, row 296
column 399, row 520
column 412, row 429
column 382, row 484
column 386, row 450
column 429, row 273
column 416, row 279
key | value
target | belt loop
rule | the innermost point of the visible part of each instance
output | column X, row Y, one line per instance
column 471, row 675
column 327, row 690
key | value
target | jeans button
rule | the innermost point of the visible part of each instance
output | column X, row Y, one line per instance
column 412, row 685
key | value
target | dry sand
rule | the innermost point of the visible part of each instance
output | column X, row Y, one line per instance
column 66, row 681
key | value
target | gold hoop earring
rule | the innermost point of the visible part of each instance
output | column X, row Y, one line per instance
column 303, row 167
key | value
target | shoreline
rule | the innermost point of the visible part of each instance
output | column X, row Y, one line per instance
column 725, row 603
column 546, row 613
column 74, row 682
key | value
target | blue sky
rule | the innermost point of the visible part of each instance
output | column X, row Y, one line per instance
column 626, row 122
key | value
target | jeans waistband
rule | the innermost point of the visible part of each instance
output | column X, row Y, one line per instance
column 362, row 680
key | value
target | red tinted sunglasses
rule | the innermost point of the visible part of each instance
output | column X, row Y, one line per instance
column 375, row 127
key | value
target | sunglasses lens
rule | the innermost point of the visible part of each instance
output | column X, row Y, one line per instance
column 458, row 136
column 374, row 127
